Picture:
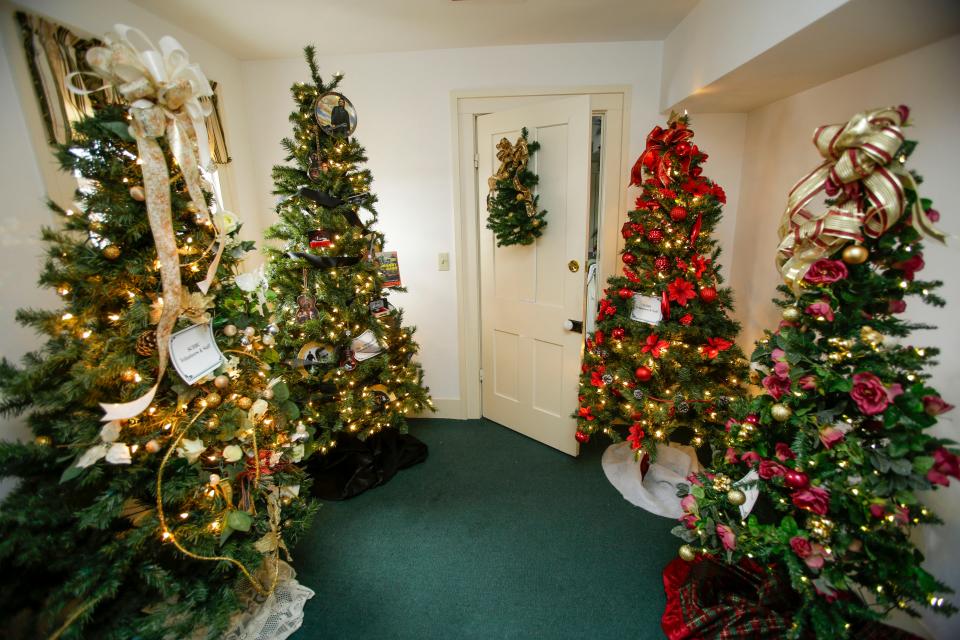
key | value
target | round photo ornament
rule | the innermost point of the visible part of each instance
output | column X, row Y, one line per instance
column 335, row 114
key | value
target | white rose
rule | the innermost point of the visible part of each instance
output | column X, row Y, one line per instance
column 232, row 453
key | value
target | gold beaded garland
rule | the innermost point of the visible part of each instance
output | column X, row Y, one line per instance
column 230, row 330
column 111, row 252
column 244, row 403
column 221, row 382
column 791, row 314
column 213, row 399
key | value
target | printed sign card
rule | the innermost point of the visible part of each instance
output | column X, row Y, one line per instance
column 194, row 352
column 646, row 309
column 389, row 268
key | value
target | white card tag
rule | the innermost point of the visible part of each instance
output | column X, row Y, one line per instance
column 365, row 346
column 646, row 309
column 194, row 352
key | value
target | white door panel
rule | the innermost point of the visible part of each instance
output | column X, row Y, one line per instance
column 531, row 363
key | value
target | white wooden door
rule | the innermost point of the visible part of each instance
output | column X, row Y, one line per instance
column 531, row 363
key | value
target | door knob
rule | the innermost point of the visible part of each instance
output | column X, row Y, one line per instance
column 573, row 325
column 574, row 266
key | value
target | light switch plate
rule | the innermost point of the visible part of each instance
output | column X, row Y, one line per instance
column 443, row 262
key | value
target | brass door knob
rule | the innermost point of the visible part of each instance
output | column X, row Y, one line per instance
column 574, row 266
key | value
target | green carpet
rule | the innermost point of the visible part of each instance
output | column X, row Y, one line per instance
column 494, row 536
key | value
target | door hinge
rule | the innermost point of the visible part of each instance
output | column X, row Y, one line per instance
column 481, row 375
column 476, row 161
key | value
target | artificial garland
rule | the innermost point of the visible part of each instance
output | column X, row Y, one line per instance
column 511, row 204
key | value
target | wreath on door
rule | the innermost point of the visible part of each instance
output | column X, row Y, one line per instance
column 511, row 205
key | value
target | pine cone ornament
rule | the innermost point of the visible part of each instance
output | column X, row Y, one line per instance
column 147, row 343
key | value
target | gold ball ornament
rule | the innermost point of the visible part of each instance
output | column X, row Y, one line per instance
column 736, row 497
column 244, row 403
column 781, row 412
column 137, row 193
column 221, row 382
column 520, row 197
column 152, row 446
column 111, row 252
column 230, row 330
column 268, row 340
column 870, row 335
column 791, row 314
column 687, row 553
column 213, row 399
column 855, row 254
column 43, row 441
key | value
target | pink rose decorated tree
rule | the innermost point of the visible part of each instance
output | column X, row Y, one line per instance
column 839, row 443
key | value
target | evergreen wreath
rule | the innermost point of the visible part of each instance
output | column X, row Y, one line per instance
column 511, row 204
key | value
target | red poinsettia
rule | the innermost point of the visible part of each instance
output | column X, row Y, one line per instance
column 681, row 291
column 596, row 376
column 686, row 319
column 714, row 346
column 584, row 413
column 655, row 345
column 700, row 263
column 636, row 436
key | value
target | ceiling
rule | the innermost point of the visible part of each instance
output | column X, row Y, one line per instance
column 254, row 29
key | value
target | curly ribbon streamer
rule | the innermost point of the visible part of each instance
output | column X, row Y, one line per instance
column 868, row 182
column 163, row 90
column 513, row 162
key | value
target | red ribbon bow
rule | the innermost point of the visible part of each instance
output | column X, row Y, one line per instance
column 660, row 151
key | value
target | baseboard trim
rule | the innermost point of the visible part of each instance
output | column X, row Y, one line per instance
column 449, row 408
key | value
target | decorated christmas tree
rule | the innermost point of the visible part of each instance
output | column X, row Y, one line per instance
column 838, row 447
column 162, row 515
column 511, row 204
column 663, row 355
column 346, row 355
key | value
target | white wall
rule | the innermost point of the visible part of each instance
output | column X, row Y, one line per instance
column 718, row 36
column 403, row 104
column 778, row 151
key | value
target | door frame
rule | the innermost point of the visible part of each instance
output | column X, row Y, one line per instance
column 465, row 106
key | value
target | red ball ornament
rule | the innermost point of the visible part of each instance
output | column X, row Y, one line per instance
column 643, row 374
column 796, row 479
column 708, row 294
column 627, row 230
column 582, row 437
column 662, row 263
column 617, row 333
column 682, row 149
column 625, row 293
column 655, row 235
column 678, row 214
column 628, row 258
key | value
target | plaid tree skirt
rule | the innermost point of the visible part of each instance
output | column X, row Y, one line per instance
column 707, row 600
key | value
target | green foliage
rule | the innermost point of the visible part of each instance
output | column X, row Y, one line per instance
column 839, row 478
column 329, row 398
column 695, row 370
column 89, row 537
column 512, row 211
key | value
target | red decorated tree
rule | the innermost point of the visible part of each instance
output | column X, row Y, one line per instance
column 663, row 362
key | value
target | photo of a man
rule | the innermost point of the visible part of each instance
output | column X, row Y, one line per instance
column 335, row 114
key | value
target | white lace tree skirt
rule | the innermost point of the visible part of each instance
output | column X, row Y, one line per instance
column 275, row 617
column 656, row 491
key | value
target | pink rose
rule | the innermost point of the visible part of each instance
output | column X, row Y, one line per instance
column 910, row 266
column 945, row 463
column 689, row 520
column 812, row 554
column 730, row 456
column 750, row 458
column 893, row 391
column 934, row 215
column 800, row 546
column 778, row 354
column 830, row 436
column 776, row 386
column 769, row 469
column 877, row 510
column 727, row 538
column 807, row 383
column 869, row 394
column 688, row 503
column 826, row 271
column 935, row 405
column 784, row 452
column 902, row 515
column 813, row 499
column 820, row 310
column 896, row 306
column 781, row 369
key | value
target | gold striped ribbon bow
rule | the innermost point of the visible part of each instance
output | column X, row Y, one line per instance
column 867, row 182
